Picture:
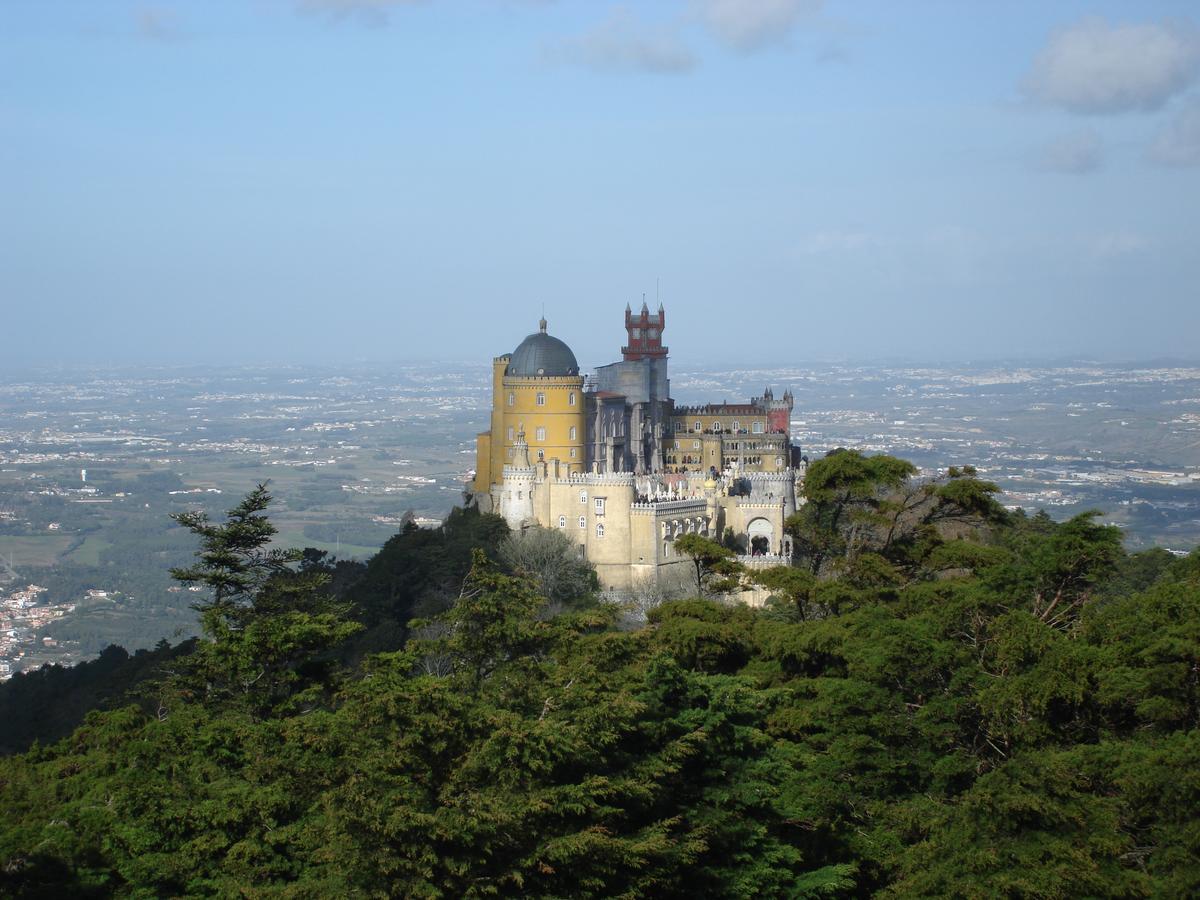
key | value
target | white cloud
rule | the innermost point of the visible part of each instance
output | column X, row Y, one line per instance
column 848, row 240
column 621, row 43
column 158, row 24
column 371, row 12
column 1178, row 144
column 1094, row 67
column 1118, row 243
column 1076, row 153
column 749, row 25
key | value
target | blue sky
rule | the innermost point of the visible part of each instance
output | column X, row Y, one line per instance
column 334, row 180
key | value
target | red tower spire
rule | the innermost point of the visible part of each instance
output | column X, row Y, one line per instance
column 644, row 333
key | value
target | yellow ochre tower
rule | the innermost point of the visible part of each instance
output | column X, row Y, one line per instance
column 537, row 390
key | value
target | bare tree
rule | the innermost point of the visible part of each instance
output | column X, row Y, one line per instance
column 554, row 561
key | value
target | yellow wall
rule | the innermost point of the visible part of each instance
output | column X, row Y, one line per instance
column 557, row 415
column 707, row 420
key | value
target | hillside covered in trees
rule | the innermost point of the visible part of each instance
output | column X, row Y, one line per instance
column 940, row 699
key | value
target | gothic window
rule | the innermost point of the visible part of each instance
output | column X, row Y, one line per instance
column 512, row 398
column 716, row 427
column 541, row 399
column 571, row 399
column 540, row 433
column 562, row 521
column 583, row 521
column 574, row 432
column 541, row 453
column 599, row 529
column 583, row 496
column 573, row 449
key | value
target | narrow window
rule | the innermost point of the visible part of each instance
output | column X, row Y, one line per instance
column 758, row 427
column 583, row 496
column 571, row 399
column 699, row 427
column 599, row 506
column 541, row 453
column 583, row 522
column 512, row 398
column 541, row 399
column 573, row 454
column 734, row 427
column 510, row 434
column 540, row 433
column 599, row 529
column 574, row 432
column 562, row 521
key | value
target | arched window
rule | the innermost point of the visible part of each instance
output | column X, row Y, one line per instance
column 583, row 521
column 583, row 496
column 573, row 453
column 599, row 529
column 512, row 398
column 562, row 521
column 541, row 453
column 574, row 432
column 571, row 399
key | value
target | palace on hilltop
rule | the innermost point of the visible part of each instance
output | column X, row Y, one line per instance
column 613, row 463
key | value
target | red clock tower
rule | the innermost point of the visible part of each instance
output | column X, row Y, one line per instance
column 644, row 334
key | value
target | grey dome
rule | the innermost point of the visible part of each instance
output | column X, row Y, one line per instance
column 542, row 354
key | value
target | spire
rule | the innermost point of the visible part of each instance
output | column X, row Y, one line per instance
column 521, row 449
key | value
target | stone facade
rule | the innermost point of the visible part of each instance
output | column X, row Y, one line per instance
column 622, row 471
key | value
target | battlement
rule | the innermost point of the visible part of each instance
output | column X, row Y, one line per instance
column 779, row 477
column 616, row 478
column 519, row 471
column 671, row 506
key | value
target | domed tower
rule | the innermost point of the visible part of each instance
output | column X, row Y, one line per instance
column 537, row 386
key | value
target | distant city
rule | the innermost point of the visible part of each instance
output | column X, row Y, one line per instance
column 93, row 463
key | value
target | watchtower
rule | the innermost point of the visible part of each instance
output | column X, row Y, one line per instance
column 644, row 334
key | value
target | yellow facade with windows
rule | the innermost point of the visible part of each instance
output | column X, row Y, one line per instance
column 538, row 391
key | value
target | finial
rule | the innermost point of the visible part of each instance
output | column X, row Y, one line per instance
column 542, row 324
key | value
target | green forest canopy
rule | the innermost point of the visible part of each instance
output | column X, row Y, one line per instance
column 941, row 700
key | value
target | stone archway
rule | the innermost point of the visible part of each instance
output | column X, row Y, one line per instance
column 760, row 537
